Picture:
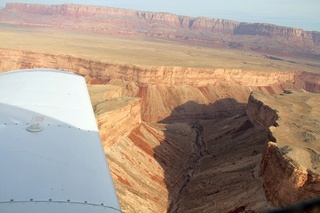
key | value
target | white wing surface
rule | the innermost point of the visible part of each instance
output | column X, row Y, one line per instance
column 51, row 155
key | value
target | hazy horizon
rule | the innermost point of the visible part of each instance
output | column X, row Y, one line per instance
column 294, row 13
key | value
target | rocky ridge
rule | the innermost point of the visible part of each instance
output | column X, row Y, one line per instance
column 201, row 30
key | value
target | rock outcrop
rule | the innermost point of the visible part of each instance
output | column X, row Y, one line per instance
column 201, row 30
column 290, row 165
column 116, row 118
column 115, row 113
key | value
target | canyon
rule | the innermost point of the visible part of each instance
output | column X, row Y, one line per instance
column 209, row 141
column 214, row 138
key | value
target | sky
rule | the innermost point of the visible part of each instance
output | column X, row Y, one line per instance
column 303, row 14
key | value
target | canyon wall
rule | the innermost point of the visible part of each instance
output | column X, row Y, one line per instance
column 285, row 182
column 204, row 165
column 96, row 71
column 148, row 165
column 208, row 151
column 289, row 164
column 181, row 167
column 164, row 88
column 214, row 32
column 205, row 153
column 147, row 161
column 116, row 118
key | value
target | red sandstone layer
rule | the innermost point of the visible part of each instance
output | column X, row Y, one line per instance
column 215, row 32
column 290, row 167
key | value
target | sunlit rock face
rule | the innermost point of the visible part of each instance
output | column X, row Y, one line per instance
column 290, row 165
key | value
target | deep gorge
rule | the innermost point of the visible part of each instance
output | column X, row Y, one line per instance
column 181, row 139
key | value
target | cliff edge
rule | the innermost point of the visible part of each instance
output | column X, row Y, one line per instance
column 290, row 163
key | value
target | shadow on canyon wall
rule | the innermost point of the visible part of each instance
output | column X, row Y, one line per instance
column 191, row 111
column 211, row 161
column 188, row 145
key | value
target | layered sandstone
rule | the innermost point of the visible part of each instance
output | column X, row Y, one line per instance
column 214, row 32
column 164, row 88
column 290, row 167
column 101, row 72
column 199, row 164
column 205, row 152
column 204, row 164
column 181, row 167
column 115, row 113
column 138, row 166
column 148, row 165
column 208, row 160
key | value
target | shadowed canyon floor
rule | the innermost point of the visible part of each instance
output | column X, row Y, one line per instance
column 192, row 165
column 207, row 162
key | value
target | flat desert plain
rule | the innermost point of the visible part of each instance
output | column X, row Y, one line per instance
column 144, row 51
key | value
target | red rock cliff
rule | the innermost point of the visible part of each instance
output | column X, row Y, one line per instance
column 165, row 25
column 164, row 88
column 289, row 165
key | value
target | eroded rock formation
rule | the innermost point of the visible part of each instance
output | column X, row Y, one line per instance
column 290, row 165
column 189, row 166
column 164, row 88
column 214, row 32
column 205, row 151
column 115, row 113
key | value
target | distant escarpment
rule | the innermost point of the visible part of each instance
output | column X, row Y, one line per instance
column 265, row 38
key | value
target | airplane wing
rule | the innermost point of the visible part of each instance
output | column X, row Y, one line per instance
column 51, row 155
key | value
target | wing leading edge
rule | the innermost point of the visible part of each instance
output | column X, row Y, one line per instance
column 50, row 150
